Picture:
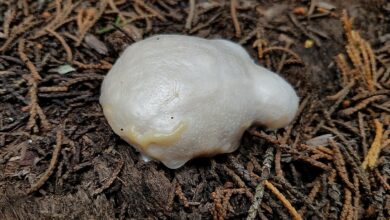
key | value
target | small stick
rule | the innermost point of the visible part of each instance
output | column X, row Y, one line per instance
column 235, row 177
column 314, row 162
column 381, row 107
column 372, row 56
column 266, row 169
column 151, row 10
column 362, row 133
column 342, row 93
column 53, row 89
column 283, row 59
column 191, row 14
column 341, row 97
column 249, row 36
column 26, row 60
column 284, row 49
column 382, row 180
column 361, row 105
column 304, row 31
column 52, row 165
column 104, row 65
column 42, row 116
column 181, row 195
column 25, row 8
column 320, row 150
column 221, row 199
column 206, row 24
column 82, row 79
column 33, row 90
column 69, row 56
column 356, row 198
column 344, row 68
column 111, row 179
column 21, row 28
column 85, row 25
column 8, row 17
column 61, row 17
column 289, row 128
column 278, row 165
column 260, row 44
column 373, row 152
column 366, row 95
column 347, row 126
column 298, row 194
column 282, row 198
column 340, row 164
column 313, row 193
column 236, row 23
column 141, row 13
column 218, row 212
column 240, row 169
column 116, row 10
column 347, row 204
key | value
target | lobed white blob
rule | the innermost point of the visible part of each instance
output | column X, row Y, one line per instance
column 176, row 97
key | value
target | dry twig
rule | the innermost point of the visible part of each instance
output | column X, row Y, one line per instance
column 347, row 207
column 191, row 14
column 21, row 28
column 181, row 195
column 151, row 9
column 283, row 49
column 61, row 17
column 233, row 12
column 221, row 199
column 33, row 91
column 110, row 180
column 373, row 152
column 8, row 18
column 52, row 164
column 313, row 193
column 23, row 56
column 340, row 164
column 104, row 65
column 361, row 105
column 283, row 199
column 67, row 49
column 266, row 169
column 86, row 18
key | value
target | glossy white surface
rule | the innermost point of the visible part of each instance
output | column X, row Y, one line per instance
column 176, row 97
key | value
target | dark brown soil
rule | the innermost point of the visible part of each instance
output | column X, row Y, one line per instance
column 59, row 159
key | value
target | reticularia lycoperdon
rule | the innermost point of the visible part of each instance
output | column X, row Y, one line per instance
column 176, row 97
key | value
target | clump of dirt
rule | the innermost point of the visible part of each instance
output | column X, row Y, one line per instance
column 60, row 159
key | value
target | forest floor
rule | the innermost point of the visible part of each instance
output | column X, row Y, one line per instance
column 60, row 159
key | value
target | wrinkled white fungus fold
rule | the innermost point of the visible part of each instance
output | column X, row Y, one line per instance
column 176, row 97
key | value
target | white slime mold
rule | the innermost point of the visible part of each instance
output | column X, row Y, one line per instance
column 176, row 97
